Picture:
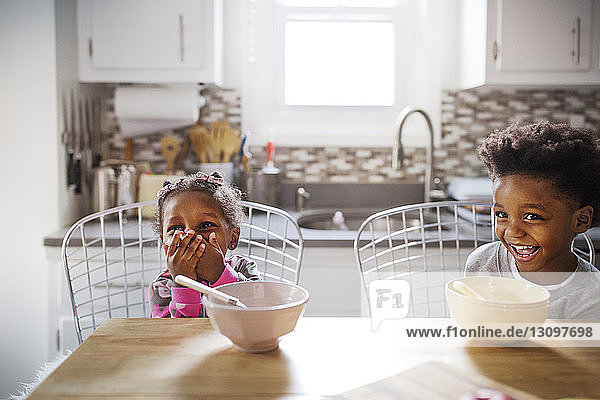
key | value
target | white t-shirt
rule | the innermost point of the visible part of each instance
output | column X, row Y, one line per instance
column 577, row 297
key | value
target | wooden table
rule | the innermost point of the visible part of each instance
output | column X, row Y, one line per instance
column 187, row 358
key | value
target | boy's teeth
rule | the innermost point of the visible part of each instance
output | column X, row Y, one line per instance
column 525, row 250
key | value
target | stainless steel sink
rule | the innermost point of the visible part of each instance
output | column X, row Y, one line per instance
column 351, row 219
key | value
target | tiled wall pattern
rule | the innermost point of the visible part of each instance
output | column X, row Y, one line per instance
column 221, row 104
column 467, row 117
column 344, row 164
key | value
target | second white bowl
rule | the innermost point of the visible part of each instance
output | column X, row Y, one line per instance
column 507, row 301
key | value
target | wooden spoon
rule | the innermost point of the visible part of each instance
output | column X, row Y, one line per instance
column 201, row 143
column 231, row 144
column 218, row 131
column 169, row 146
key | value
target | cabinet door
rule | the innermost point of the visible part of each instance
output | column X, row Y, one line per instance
column 146, row 34
column 544, row 35
column 150, row 41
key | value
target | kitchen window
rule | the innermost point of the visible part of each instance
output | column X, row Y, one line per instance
column 316, row 71
column 350, row 71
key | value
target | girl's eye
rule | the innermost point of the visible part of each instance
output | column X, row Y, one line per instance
column 500, row 214
column 206, row 225
column 532, row 216
column 175, row 228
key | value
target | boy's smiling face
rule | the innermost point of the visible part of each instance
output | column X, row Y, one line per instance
column 535, row 226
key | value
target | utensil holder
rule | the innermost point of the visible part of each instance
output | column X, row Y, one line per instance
column 264, row 187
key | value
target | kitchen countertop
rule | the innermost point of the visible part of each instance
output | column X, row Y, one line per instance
column 378, row 196
column 330, row 196
column 312, row 237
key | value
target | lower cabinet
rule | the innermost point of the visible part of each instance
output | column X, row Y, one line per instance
column 331, row 277
column 61, row 327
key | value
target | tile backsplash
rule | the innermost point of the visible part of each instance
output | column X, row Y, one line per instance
column 221, row 104
column 467, row 117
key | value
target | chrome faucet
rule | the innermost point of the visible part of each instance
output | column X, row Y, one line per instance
column 302, row 197
column 398, row 154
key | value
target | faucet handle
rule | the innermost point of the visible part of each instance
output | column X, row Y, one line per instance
column 439, row 191
column 302, row 197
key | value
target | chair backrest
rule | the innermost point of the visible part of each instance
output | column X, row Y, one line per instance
column 427, row 245
column 112, row 256
column 582, row 246
column 272, row 238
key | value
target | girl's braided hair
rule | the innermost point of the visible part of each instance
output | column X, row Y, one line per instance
column 225, row 194
column 566, row 156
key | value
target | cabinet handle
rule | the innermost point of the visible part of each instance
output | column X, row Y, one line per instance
column 576, row 32
column 495, row 50
column 90, row 47
column 181, row 43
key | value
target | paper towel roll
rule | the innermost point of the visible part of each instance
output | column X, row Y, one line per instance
column 146, row 110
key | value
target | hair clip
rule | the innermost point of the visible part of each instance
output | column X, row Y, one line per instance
column 198, row 176
column 166, row 189
column 202, row 177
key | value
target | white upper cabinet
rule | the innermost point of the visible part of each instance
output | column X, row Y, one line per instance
column 150, row 41
column 529, row 42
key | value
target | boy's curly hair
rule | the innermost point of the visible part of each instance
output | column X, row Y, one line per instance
column 568, row 157
column 225, row 194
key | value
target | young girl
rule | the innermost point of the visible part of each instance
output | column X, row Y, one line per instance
column 198, row 219
column 546, row 188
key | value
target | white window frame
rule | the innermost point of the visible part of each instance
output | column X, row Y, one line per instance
column 264, row 112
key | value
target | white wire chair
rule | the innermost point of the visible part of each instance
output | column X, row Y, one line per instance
column 272, row 238
column 427, row 245
column 111, row 257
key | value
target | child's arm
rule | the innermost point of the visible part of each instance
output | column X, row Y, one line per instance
column 245, row 268
column 170, row 301
column 483, row 260
column 471, row 265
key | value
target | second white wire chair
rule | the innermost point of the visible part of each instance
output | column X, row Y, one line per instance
column 111, row 257
column 427, row 245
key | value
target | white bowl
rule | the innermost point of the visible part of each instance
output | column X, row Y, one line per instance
column 507, row 301
column 273, row 309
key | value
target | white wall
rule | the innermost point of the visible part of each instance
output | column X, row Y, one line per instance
column 233, row 14
column 431, row 52
column 29, row 168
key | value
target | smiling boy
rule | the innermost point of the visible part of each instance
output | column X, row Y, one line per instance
column 546, row 180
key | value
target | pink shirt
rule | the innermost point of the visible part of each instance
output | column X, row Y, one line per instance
column 168, row 300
